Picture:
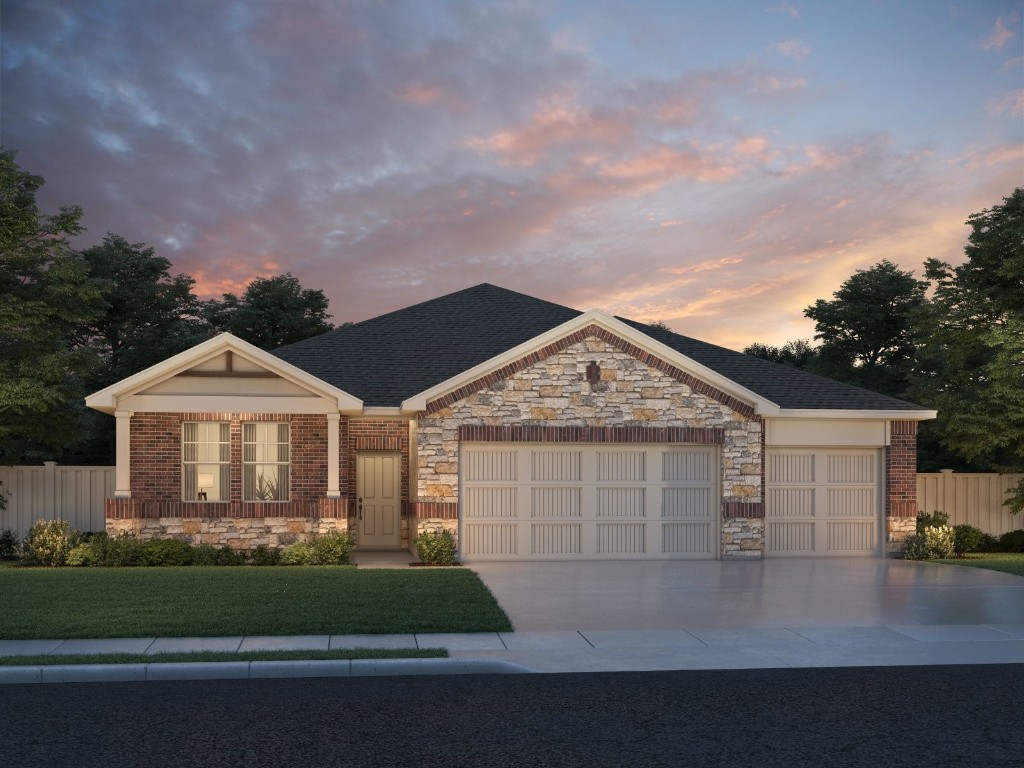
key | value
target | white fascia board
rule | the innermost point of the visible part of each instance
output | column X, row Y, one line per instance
column 383, row 412
column 761, row 405
column 106, row 399
column 894, row 415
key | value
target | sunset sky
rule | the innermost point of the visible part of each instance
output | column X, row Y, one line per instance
column 714, row 165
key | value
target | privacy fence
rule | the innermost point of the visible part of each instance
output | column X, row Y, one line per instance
column 77, row 493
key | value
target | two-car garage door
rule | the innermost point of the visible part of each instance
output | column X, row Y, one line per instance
column 570, row 501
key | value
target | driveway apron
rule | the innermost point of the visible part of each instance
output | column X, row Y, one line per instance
column 854, row 592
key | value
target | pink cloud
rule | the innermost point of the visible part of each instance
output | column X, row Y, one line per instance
column 792, row 49
column 1011, row 104
column 787, row 9
column 998, row 38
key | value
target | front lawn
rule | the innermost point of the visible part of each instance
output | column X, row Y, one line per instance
column 1007, row 562
column 227, row 601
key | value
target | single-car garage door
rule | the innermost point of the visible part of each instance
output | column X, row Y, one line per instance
column 822, row 501
column 568, row 501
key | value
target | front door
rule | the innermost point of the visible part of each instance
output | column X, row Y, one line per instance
column 379, row 504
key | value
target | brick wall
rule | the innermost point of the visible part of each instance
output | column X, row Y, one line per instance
column 901, row 470
column 374, row 435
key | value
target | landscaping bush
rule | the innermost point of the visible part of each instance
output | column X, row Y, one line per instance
column 1012, row 541
column 228, row 556
column 933, row 543
column 8, row 545
column 967, row 538
column 49, row 542
column 205, row 554
column 935, row 520
column 436, row 548
column 264, row 555
column 331, row 548
column 160, row 552
column 299, row 553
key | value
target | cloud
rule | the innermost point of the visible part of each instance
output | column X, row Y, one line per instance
column 785, row 8
column 792, row 49
column 1011, row 104
column 999, row 36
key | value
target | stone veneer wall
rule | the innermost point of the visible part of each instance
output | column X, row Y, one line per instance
column 156, row 509
column 555, row 392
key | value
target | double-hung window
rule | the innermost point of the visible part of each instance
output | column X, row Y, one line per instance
column 206, row 461
column 265, row 461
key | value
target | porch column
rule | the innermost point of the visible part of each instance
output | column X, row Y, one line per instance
column 123, row 471
column 333, row 455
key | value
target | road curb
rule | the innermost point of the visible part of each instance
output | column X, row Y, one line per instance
column 253, row 670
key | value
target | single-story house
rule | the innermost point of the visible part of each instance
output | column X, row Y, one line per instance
column 528, row 429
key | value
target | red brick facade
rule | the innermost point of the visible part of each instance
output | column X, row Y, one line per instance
column 364, row 435
column 901, row 470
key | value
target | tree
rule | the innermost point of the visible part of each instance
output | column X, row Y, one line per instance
column 971, row 368
column 147, row 314
column 273, row 311
column 868, row 330
column 45, row 293
column 798, row 354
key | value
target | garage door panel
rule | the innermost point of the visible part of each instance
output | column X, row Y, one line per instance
column 621, row 466
column 555, row 502
column 822, row 501
column 621, row 502
column 589, row 501
column 621, row 538
column 556, row 538
column 556, row 465
column 491, row 465
column 489, row 539
column 686, row 502
column 686, row 538
column 490, row 502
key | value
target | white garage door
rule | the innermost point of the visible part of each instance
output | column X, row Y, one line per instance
column 568, row 501
column 822, row 502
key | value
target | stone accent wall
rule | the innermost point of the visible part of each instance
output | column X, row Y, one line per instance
column 742, row 537
column 555, row 393
column 238, row 533
column 897, row 530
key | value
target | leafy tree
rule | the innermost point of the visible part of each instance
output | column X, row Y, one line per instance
column 147, row 314
column 45, row 293
column 868, row 330
column 798, row 354
column 972, row 367
column 273, row 311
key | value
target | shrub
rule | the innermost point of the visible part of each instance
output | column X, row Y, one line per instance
column 933, row 543
column 436, row 547
column 264, row 555
column 989, row 543
column 49, row 542
column 331, row 548
column 935, row 520
column 966, row 538
column 8, row 544
column 1012, row 541
column 228, row 556
column 79, row 556
column 160, row 552
column 299, row 553
column 205, row 554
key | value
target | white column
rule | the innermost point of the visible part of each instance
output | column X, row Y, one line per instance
column 333, row 455
column 122, row 473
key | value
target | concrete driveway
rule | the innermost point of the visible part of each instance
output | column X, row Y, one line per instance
column 861, row 592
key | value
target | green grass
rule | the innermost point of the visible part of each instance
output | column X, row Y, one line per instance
column 1007, row 562
column 226, row 601
column 39, row 659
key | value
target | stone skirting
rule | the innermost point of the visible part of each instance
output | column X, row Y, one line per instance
column 237, row 533
column 897, row 529
column 742, row 537
column 431, row 524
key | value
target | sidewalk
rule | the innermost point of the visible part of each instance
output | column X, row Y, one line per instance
column 553, row 651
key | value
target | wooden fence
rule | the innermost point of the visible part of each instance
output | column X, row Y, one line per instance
column 976, row 499
column 75, row 494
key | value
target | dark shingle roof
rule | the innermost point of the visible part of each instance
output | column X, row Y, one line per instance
column 387, row 359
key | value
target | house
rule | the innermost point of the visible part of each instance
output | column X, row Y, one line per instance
column 528, row 429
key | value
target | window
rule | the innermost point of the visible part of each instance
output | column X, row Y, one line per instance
column 206, row 461
column 265, row 456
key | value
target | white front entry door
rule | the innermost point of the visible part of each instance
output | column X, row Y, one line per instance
column 379, row 504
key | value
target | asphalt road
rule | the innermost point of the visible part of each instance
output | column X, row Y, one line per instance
column 891, row 716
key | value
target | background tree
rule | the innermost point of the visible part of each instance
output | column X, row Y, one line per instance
column 45, row 294
column 273, row 311
column 868, row 331
column 971, row 368
column 798, row 354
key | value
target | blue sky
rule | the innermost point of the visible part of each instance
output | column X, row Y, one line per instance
column 717, row 166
